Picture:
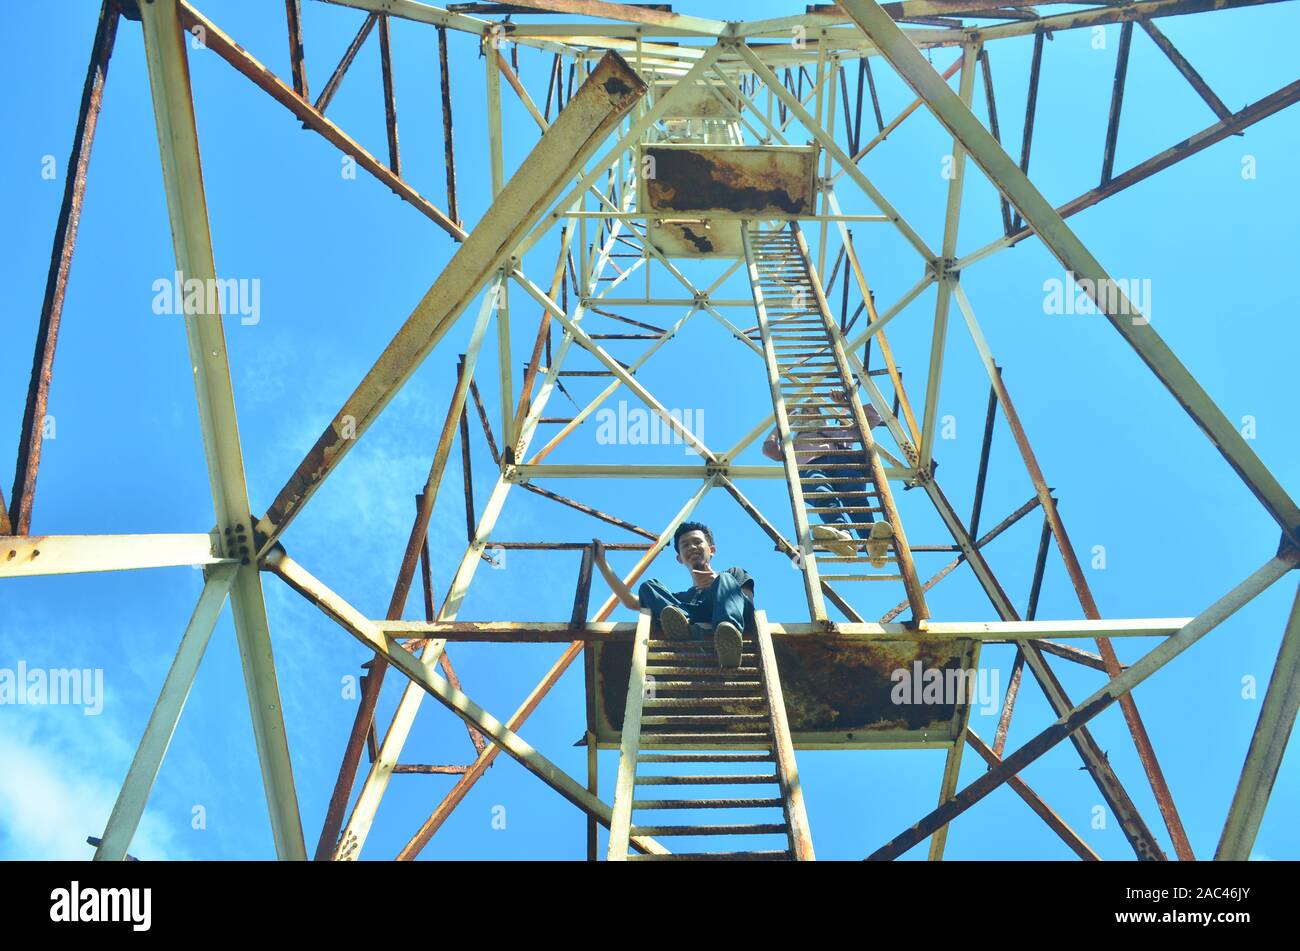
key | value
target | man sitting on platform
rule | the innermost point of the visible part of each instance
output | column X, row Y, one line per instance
column 721, row 602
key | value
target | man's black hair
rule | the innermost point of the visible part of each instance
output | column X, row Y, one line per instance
column 685, row 527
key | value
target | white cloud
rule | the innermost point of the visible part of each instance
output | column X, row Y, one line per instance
column 53, row 795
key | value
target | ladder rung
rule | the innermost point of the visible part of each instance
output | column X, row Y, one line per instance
column 704, row 719
column 857, row 559
column 706, row 739
column 843, row 508
column 834, row 452
column 862, row 577
column 760, row 856
column 704, row 758
column 698, row 701
column 855, row 466
column 688, row 686
column 663, row 655
column 836, row 493
column 649, row 804
column 756, row 828
column 737, row 779
column 706, row 646
column 701, row 671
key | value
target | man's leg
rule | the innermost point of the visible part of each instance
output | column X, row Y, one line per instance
column 860, row 501
column 829, row 505
column 727, row 610
column 653, row 595
column 726, row 601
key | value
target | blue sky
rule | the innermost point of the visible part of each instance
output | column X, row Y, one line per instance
column 342, row 262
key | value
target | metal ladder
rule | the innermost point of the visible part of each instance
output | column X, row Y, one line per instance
column 813, row 389
column 678, row 698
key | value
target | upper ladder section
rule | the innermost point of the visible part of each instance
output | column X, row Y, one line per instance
column 844, row 512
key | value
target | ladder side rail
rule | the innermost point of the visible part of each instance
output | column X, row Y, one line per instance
column 796, row 816
column 812, row 581
column 620, row 826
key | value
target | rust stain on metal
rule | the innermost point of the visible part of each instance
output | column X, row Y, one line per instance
column 701, row 242
column 616, row 87
column 730, row 179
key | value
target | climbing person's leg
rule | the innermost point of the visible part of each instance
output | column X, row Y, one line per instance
column 879, row 534
column 837, row 539
column 665, row 609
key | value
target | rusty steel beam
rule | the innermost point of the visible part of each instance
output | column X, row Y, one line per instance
column 1041, row 809
column 293, row 14
column 565, row 546
column 1009, row 702
column 487, row 428
column 581, row 609
column 430, row 770
column 982, row 475
column 594, row 513
column 390, row 100
column 268, row 82
column 992, row 105
column 331, row 87
column 582, row 592
column 551, row 91
column 1183, row 66
column 1078, row 655
column 18, row 519
column 449, row 148
column 1040, row 564
column 850, row 131
column 1116, row 100
column 1031, row 110
column 543, row 335
column 467, row 473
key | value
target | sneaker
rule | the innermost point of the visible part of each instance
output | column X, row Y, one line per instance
column 882, row 534
column 836, row 539
column 676, row 625
column 727, row 641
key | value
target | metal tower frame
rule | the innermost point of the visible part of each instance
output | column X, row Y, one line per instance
column 575, row 184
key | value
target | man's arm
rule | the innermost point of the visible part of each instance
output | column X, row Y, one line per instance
column 772, row 445
column 621, row 591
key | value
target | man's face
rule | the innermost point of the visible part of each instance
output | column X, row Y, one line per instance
column 694, row 550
